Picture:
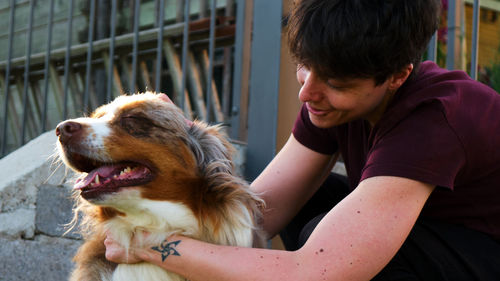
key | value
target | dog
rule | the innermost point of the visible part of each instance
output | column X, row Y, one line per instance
column 144, row 168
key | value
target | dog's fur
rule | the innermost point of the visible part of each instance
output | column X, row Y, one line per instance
column 182, row 181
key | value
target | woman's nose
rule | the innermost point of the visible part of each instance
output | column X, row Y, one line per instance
column 311, row 89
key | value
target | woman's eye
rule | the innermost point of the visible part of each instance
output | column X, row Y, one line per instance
column 333, row 86
column 336, row 85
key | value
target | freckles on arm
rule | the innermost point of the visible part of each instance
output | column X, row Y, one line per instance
column 353, row 242
column 364, row 231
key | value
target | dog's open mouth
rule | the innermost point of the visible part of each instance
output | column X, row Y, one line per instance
column 105, row 178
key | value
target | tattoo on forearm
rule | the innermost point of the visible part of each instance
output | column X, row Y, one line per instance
column 167, row 248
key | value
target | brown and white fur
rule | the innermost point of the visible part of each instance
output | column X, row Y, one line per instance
column 144, row 168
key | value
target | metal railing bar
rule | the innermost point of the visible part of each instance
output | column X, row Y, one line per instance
column 100, row 45
column 452, row 27
column 229, row 7
column 185, row 42
column 203, row 9
column 211, row 48
column 159, row 47
column 432, row 48
column 133, row 78
column 7, row 78
column 226, row 80
column 90, row 43
column 475, row 40
column 238, row 69
column 180, row 5
column 46, row 70
column 27, row 72
column 67, row 59
column 109, row 90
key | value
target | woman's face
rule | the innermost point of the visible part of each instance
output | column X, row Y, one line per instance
column 333, row 102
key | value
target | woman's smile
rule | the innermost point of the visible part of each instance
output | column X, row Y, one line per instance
column 316, row 111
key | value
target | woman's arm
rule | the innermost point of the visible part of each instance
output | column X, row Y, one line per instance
column 289, row 181
column 354, row 241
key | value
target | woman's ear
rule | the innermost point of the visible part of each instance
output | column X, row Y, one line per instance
column 397, row 79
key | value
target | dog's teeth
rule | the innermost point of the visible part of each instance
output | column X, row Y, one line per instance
column 97, row 181
column 126, row 170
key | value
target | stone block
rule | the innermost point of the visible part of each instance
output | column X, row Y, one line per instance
column 54, row 210
column 18, row 223
column 45, row 258
column 23, row 170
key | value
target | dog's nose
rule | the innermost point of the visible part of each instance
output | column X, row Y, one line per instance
column 67, row 129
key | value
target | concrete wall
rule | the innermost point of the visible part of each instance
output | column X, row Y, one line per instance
column 34, row 206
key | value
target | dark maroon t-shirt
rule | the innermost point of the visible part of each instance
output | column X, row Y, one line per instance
column 441, row 128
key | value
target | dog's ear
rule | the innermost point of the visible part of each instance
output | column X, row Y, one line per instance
column 165, row 98
column 209, row 144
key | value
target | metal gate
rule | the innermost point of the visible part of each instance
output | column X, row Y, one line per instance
column 219, row 60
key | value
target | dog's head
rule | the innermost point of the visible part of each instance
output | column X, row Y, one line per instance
column 141, row 146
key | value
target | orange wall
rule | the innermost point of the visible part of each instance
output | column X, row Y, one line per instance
column 489, row 35
column 288, row 104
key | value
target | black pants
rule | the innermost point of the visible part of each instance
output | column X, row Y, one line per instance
column 433, row 250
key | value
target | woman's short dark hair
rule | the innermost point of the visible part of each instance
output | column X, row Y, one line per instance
column 361, row 38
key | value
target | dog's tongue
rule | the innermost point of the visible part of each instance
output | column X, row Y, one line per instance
column 103, row 172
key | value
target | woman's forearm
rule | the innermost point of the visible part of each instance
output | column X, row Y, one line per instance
column 197, row 260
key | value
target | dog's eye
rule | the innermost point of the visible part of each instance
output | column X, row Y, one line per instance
column 136, row 125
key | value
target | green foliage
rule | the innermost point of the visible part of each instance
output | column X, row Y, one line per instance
column 491, row 75
column 495, row 77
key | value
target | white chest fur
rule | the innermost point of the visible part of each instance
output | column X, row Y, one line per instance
column 144, row 272
column 159, row 220
column 162, row 219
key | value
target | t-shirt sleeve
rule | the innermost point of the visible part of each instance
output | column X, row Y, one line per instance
column 318, row 139
column 422, row 147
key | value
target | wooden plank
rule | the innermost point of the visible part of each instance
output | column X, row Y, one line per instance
column 76, row 90
column 126, row 69
column 145, row 75
column 175, row 70
column 12, row 118
column 57, row 89
column 117, row 83
column 34, row 103
column 29, row 125
column 195, row 83
column 93, row 101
